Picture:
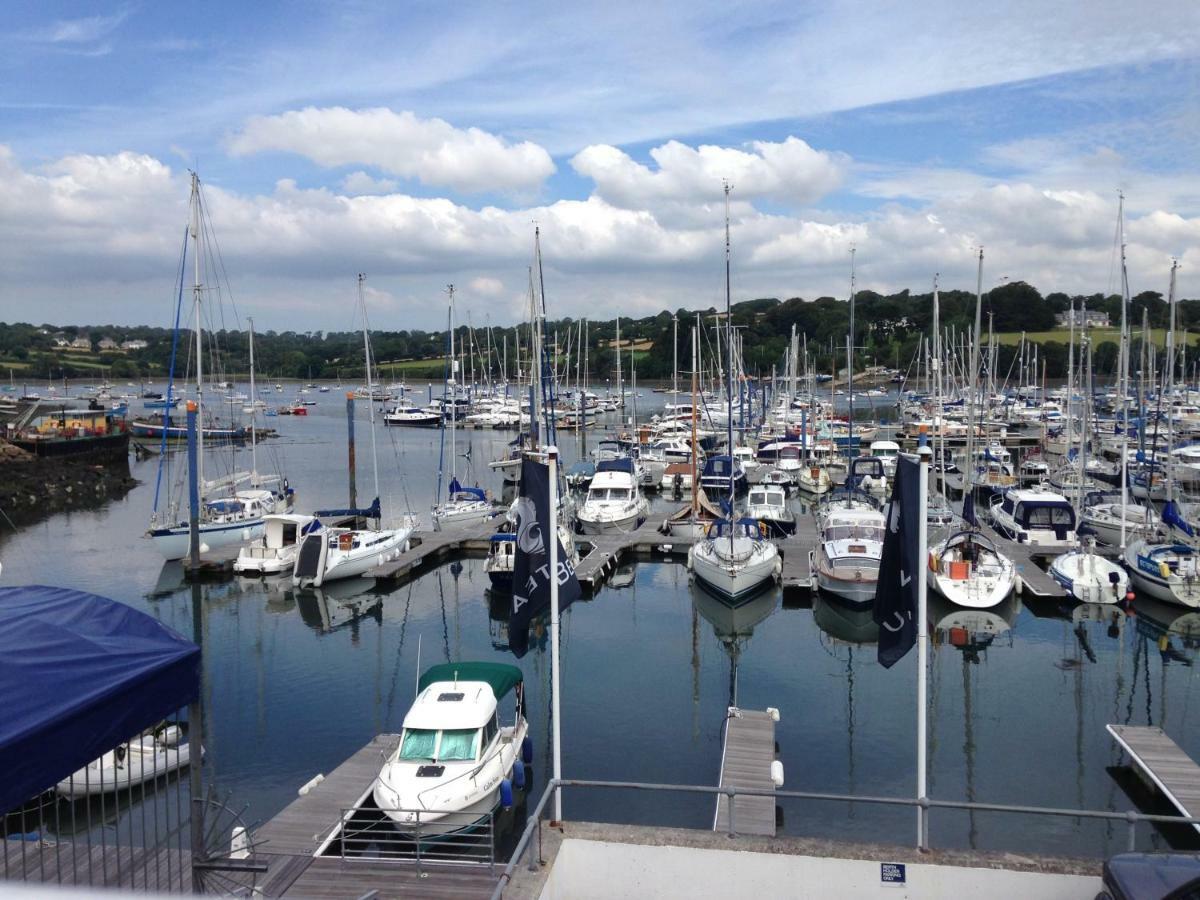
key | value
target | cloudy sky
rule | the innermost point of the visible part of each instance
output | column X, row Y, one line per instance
column 420, row 142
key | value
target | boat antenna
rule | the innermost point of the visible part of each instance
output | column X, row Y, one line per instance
column 417, row 685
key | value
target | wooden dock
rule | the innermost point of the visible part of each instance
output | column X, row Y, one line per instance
column 746, row 759
column 432, row 547
column 1161, row 761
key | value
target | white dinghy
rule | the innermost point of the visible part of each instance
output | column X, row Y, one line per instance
column 150, row 755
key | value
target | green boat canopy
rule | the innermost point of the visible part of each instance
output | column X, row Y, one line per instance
column 501, row 677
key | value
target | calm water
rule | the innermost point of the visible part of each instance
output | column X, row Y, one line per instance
column 294, row 682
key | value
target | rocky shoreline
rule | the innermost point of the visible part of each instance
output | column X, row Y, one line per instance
column 32, row 488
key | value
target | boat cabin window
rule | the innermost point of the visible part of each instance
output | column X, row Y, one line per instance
column 1048, row 516
column 418, row 743
column 289, row 533
column 458, row 744
column 758, row 498
column 489, row 731
column 450, row 745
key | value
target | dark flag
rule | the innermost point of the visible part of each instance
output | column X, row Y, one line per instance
column 531, row 569
column 900, row 569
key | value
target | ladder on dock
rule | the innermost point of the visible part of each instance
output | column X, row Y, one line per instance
column 746, row 759
column 1163, row 763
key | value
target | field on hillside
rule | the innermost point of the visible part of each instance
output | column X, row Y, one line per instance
column 1098, row 336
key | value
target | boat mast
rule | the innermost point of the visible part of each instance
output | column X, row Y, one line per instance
column 253, row 413
column 729, row 370
column 451, row 384
column 675, row 360
column 972, row 371
column 938, row 401
column 370, row 398
column 695, row 454
column 197, row 294
column 1170, row 386
column 850, row 363
column 1123, row 375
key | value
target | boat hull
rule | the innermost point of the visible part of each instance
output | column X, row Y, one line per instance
column 735, row 584
column 173, row 543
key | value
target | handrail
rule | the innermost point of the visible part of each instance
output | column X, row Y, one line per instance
column 1131, row 817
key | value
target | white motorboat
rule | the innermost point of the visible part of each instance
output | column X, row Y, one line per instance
column 778, row 477
column 275, row 552
column 1166, row 572
column 614, row 502
column 968, row 570
column 847, row 555
column 1089, row 577
column 455, row 760
column 1037, row 517
column 333, row 553
column 889, row 452
column 735, row 560
column 148, row 756
column 502, row 555
column 768, row 504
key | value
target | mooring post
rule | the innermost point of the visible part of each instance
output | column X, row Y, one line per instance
column 350, row 447
column 193, row 489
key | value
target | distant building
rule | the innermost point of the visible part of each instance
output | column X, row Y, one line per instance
column 109, row 344
column 134, row 345
column 1090, row 318
column 81, row 343
column 62, row 342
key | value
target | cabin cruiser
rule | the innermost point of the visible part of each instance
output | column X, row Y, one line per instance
column 413, row 417
column 1037, row 517
column 968, row 570
column 846, row 559
column 813, row 480
column 275, row 552
column 502, row 555
column 456, row 759
column 735, row 560
column 614, row 502
column 889, row 452
column 768, row 504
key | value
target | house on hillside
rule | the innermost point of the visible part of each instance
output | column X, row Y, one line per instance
column 134, row 345
column 109, row 344
column 83, row 342
column 1083, row 318
column 61, row 342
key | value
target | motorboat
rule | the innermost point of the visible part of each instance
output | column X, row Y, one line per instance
column 580, row 474
column 413, row 417
column 768, row 504
column 275, row 552
column 735, row 560
column 150, row 755
column 1167, row 572
column 614, row 501
column 1037, row 517
column 777, row 477
column 502, row 555
column 867, row 474
column 456, row 759
column 677, row 477
column 1089, row 577
column 722, row 476
column 849, row 548
column 968, row 570
column 888, row 452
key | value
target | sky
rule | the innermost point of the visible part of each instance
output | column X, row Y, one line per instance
column 421, row 143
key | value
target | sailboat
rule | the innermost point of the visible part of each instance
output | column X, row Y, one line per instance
column 327, row 554
column 735, row 560
column 465, row 505
column 228, row 516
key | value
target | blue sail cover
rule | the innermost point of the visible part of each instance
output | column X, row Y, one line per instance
column 79, row 674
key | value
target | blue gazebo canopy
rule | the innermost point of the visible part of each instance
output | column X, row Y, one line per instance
column 79, row 674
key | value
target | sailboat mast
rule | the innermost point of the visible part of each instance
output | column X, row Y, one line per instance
column 370, row 398
column 695, row 388
column 451, row 384
column 729, row 372
column 1123, row 362
column 850, row 361
column 1171, row 383
column 197, row 294
column 253, row 412
column 972, row 373
column 675, row 359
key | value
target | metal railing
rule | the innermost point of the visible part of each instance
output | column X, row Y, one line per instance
column 533, row 827
column 417, row 836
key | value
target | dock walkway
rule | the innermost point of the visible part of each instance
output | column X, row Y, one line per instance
column 746, row 763
column 1161, row 760
column 430, row 547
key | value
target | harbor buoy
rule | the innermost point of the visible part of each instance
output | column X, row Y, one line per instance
column 527, row 750
column 519, row 774
column 506, row 793
column 777, row 773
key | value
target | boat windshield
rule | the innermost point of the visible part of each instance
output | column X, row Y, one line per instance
column 451, row 745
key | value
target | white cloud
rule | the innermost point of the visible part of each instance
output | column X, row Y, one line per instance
column 485, row 286
column 430, row 150
column 362, row 183
column 789, row 171
column 83, row 30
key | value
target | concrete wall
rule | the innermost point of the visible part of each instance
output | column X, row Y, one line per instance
column 585, row 869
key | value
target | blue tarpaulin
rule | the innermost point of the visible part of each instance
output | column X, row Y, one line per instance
column 79, row 674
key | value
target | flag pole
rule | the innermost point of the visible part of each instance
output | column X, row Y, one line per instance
column 924, row 455
column 555, row 712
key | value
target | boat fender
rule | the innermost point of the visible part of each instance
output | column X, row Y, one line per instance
column 1019, row 585
column 527, row 750
column 1164, row 570
column 777, row 773
column 506, row 793
column 933, row 562
column 774, row 714
column 518, row 775
column 309, row 785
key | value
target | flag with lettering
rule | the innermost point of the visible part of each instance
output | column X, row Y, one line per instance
column 900, row 568
column 531, row 568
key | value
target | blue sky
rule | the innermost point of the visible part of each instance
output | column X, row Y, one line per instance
column 418, row 142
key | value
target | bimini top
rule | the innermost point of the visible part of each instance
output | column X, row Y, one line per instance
column 500, row 677
column 79, row 674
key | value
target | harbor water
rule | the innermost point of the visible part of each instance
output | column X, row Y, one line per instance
column 296, row 681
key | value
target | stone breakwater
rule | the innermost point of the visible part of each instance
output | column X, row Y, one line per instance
column 31, row 488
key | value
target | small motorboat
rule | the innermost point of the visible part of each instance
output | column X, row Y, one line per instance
column 768, row 504
column 456, row 763
column 156, row 752
column 275, row 552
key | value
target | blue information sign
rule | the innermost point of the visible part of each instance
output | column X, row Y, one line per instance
column 892, row 873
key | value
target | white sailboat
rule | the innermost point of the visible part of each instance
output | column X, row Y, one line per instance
column 734, row 560
column 329, row 554
column 228, row 515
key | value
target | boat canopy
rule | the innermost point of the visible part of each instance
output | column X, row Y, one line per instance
column 501, row 677
column 458, row 492
column 371, row 512
column 743, row 527
column 79, row 674
column 621, row 464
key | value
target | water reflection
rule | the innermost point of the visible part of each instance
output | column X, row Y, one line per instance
column 339, row 604
column 843, row 624
column 971, row 631
column 734, row 626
